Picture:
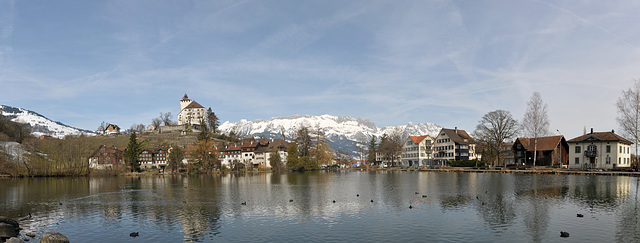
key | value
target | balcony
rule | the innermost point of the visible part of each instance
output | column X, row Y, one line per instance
column 591, row 153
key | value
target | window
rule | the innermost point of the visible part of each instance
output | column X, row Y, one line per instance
column 620, row 149
column 577, row 159
column 619, row 161
column 608, row 160
column 608, row 148
column 577, row 149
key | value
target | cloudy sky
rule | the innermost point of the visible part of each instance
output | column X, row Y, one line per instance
column 393, row 62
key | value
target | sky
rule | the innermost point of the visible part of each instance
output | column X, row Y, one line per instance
column 393, row 62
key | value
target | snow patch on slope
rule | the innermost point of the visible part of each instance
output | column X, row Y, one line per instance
column 39, row 124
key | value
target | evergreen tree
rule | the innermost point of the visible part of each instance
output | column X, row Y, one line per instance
column 292, row 157
column 212, row 120
column 275, row 161
column 371, row 156
column 134, row 148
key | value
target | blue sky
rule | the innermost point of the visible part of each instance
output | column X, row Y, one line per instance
column 394, row 62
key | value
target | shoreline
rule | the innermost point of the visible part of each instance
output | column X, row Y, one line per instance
column 552, row 171
column 555, row 171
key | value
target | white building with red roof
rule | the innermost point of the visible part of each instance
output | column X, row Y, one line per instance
column 191, row 112
column 417, row 150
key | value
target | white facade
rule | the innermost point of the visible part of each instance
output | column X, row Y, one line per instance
column 191, row 112
column 256, row 154
column 453, row 144
column 417, row 150
column 600, row 150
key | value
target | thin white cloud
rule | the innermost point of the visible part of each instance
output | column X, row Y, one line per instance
column 7, row 15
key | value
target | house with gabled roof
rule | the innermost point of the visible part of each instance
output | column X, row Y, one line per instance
column 599, row 150
column 453, row 144
column 549, row 151
column 191, row 112
column 417, row 150
column 254, row 154
column 111, row 129
column 106, row 158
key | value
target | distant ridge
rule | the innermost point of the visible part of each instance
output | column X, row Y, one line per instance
column 39, row 124
column 343, row 132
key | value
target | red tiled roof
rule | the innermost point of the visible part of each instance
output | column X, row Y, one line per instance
column 544, row 143
column 602, row 136
column 418, row 139
column 193, row 105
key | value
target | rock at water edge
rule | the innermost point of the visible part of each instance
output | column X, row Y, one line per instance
column 7, row 231
column 54, row 237
column 12, row 222
column 14, row 240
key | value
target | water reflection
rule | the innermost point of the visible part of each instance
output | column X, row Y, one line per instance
column 299, row 207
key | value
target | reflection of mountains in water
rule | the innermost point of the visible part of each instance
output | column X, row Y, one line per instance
column 199, row 207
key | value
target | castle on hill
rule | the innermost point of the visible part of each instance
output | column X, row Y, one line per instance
column 191, row 112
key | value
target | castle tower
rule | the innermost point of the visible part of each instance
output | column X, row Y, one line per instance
column 184, row 102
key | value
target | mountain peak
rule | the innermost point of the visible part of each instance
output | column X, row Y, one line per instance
column 343, row 132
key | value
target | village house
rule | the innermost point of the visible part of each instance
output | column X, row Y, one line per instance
column 254, row 154
column 549, row 151
column 110, row 129
column 153, row 159
column 106, row 158
column 388, row 161
column 453, row 144
column 506, row 154
column 599, row 150
column 417, row 151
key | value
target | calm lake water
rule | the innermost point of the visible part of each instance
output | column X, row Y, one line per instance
column 458, row 207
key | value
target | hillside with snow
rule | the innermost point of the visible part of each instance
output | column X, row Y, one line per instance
column 343, row 132
column 39, row 124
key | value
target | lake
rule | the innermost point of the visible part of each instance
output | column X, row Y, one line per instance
column 300, row 207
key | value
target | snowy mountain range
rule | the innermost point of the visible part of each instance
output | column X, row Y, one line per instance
column 343, row 132
column 39, row 124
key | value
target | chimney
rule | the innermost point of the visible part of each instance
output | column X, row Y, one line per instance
column 456, row 129
column 592, row 130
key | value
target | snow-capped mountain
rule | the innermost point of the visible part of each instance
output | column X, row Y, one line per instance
column 39, row 124
column 343, row 132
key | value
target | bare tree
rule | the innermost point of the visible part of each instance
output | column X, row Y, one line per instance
column 391, row 146
column 139, row 128
column 156, row 122
column 102, row 126
column 304, row 140
column 629, row 113
column 494, row 128
column 536, row 121
column 166, row 118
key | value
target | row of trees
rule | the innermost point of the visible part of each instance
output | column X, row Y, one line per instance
column 308, row 151
column 13, row 131
column 204, row 154
column 390, row 147
column 497, row 126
